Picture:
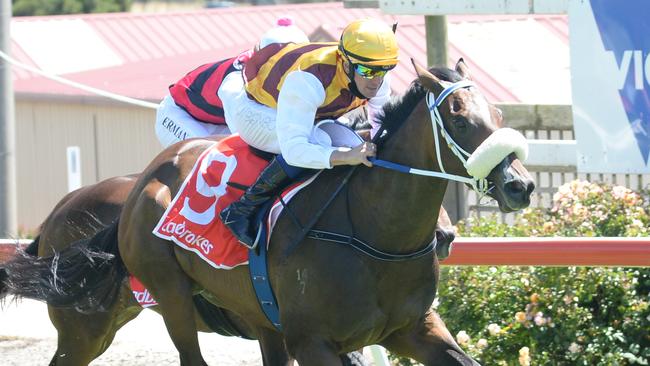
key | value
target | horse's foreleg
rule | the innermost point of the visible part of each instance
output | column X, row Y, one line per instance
column 429, row 343
column 313, row 352
column 84, row 337
column 80, row 337
column 273, row 349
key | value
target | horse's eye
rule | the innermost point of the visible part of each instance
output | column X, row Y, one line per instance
column 460, row 123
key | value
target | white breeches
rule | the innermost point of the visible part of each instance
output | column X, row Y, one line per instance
column 174, row 124
column 254, row 122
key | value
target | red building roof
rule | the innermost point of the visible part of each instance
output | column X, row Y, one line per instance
column 139, row 55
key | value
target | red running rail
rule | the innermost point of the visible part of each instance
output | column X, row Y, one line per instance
column 561, row 252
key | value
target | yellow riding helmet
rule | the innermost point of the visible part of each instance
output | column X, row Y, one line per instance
column 369, row 42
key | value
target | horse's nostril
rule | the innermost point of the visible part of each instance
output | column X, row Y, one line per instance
column 515, row 187
column 531, row 187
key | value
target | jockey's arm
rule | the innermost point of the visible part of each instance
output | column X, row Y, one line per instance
column 300, row 96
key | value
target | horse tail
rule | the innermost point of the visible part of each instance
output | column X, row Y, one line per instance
column 32, row 249
column 85, row 276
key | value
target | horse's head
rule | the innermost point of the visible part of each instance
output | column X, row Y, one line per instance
column 476, row 145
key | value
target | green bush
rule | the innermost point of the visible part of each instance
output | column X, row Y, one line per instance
column 555, row 315
column 54, row 7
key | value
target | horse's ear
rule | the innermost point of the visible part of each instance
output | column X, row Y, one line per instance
column 427, row 79
column 462, row 69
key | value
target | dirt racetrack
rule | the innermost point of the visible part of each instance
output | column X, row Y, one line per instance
column 27, row 338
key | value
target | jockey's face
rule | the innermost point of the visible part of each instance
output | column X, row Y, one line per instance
column 368, row 86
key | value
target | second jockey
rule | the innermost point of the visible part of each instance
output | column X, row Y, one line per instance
column 286, row 88
column 193, row 108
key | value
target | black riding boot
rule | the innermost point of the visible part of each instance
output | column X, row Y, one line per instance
column 238, row 215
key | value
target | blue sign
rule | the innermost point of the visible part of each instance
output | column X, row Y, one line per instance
column 610, row 68
column 624, row 28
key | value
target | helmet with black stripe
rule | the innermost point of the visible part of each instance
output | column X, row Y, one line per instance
column 369, row 42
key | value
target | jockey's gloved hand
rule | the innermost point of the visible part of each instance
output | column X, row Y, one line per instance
column 356, row 156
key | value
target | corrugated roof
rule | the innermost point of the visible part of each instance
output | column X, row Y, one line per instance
column 139, row 55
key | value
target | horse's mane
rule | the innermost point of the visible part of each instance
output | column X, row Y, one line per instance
column 397, row 111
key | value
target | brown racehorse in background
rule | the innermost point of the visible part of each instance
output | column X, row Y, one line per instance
column 332, row 299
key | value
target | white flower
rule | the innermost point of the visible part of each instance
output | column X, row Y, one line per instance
column 619, row 192
column 539, row 319
column 482, row 343
column 574, row 348
column 524, row 356
column 494, row 329
column 462, row 338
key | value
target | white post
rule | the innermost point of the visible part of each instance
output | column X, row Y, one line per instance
column 74, row 167
column 379, row 356
column 8, row 201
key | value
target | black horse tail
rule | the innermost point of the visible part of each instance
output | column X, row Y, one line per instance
column 32, row 249
column 85, row 276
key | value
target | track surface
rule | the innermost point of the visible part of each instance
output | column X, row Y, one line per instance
column 28, row 338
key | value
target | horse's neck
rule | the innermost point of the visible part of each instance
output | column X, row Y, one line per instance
column 395, row 211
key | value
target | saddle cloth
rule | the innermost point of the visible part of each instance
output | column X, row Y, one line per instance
column 192, row 221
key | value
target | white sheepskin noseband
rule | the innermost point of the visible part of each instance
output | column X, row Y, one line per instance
column 495, row 148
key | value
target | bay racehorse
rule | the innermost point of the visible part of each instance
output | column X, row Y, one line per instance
column 332, row 299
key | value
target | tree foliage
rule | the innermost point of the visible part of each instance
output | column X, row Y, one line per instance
column 55, row 7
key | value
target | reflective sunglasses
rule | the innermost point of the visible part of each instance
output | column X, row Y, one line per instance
column 368, row 72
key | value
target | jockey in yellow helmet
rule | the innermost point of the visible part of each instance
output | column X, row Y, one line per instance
column 286, row 88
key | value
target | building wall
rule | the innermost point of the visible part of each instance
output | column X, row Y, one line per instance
column 117, row 139
column 114, row 140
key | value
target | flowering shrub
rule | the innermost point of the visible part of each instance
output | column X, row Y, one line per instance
column 549, row 316
column 555, row 315
column 580, row 208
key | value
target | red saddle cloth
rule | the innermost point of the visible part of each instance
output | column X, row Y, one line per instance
column 192, row 218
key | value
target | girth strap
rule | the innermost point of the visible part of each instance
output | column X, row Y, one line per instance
column 368, row 249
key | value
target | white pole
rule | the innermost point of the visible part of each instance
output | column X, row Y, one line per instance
column 8, row 201
column 74, row 167
column 379, row 356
